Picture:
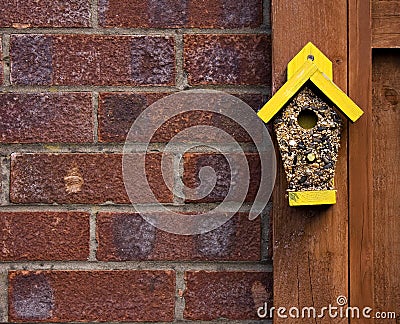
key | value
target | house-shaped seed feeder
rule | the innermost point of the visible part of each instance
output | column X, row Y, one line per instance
column 308, row 127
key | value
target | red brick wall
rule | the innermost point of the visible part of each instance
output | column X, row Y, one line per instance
column 74, row 77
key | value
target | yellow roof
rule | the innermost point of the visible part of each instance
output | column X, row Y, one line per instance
column 310, row 64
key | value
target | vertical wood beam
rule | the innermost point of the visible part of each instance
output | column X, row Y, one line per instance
column 310, row 243
column 360, row 159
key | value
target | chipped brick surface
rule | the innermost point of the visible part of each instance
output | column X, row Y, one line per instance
column 44, row 236
column 44, row 13
column 194, row 162
column 92, row 60
column 46, row 117
column 92, row 296
column 180, row 13
column 229, row 295
column 228, row 59
column 124, row 237
column 118, row 111
column 81, row 178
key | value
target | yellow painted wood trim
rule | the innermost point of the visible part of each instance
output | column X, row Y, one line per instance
column 320, row 60
column 287, row 91
column 337, row 96
column 304, row 198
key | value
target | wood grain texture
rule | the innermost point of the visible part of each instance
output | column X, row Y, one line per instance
column 310, row 243
column 386, row 169
column 360, row 159
column 386, row 23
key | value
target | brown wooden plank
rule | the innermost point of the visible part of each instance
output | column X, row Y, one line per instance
column 386, row 169
column 386, row 23
column 360, row 159
column 310, row 243
column 386, row 40
column 386, row 17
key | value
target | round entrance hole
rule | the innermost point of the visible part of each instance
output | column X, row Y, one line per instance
column 307, row 119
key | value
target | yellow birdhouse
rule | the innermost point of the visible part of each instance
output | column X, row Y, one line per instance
column 308, row 127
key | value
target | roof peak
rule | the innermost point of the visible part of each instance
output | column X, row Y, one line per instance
column 310, row 64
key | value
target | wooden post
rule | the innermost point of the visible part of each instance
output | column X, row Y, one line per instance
column 360, row 159
column 310, row 243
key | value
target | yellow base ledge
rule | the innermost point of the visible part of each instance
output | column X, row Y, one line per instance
column 304, row 198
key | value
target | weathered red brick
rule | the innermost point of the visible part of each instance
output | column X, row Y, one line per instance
column 92, row 60
column 194, row 162
column 44, row 236
column 229, row 295
column 118, row 111
column 1, row 61
column 228, row 59
column 225, row 13
column 31, row 59
column 83, row 178
column 136, row 13
column 180, row 13
column 46, row 117
column 91, row 296
column 44, row 13
column 2, row 178
column 125, row 236
column 254, row 100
